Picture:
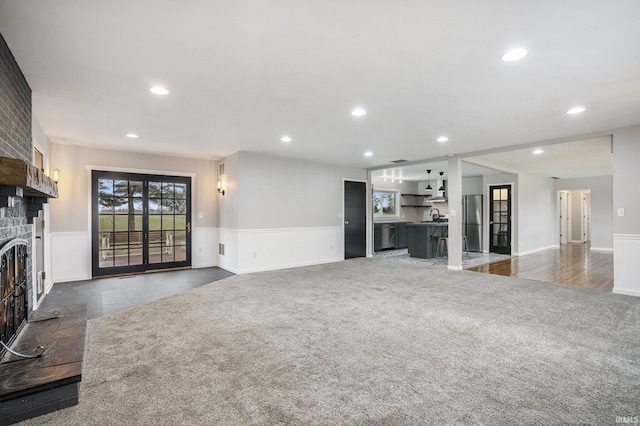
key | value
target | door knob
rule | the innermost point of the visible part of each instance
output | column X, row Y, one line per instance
column 346, row 222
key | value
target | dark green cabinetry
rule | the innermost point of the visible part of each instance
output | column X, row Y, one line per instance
column 401, row 235
column 377, row 236
column 400, row 232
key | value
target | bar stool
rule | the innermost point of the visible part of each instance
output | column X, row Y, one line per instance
column 443, row 242
column 466, row 247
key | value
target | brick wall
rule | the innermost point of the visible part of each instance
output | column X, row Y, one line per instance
column 15, row 142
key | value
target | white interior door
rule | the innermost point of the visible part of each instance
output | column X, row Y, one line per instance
column 586, row 217
column 563, row 215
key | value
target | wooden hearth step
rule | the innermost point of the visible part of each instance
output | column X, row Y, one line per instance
column 33, row 387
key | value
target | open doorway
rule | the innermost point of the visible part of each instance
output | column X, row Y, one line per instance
column 574, row 216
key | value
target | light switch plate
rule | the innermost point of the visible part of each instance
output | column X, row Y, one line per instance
column 620, row 211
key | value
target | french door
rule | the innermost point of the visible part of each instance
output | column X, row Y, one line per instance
column 139, row 222
column 500, row 219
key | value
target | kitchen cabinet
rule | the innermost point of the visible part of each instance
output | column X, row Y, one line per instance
column 381, row 233
column 377, row 237
column 401, row 235
column 422, row 238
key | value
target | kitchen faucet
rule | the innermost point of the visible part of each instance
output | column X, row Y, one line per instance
column 435, row 216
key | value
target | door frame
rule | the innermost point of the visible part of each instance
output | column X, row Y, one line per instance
column 90, row 168
column 512, row 216
column 368, row 211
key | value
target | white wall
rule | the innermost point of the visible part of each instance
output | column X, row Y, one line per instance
column 289, row 213
column 535, row 213
column 70, row 212
column 626, row 228
column 43, row 144
column 601, row 211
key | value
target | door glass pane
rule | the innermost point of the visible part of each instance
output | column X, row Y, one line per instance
column 120, row 188
column 136, row 189
column 155, row 222
column 181, row 190
column 154, row 205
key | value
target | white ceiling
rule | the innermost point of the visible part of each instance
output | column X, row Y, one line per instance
column 244, row 73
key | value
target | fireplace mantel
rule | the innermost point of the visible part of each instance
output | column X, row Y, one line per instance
column 21, row 179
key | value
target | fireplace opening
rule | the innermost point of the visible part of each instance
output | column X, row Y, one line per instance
column 13, row 291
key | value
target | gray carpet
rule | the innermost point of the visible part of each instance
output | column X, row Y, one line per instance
column 366, row 341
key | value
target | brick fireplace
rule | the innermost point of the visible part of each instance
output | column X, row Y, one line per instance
column 15, row 142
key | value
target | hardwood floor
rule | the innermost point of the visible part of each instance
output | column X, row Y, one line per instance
column 573, row 264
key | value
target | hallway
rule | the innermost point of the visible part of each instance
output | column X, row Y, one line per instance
column 573, row 264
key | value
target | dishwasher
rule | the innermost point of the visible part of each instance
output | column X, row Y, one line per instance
column 388, row 236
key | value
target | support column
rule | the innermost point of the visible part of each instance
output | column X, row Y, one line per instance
column 455, row 213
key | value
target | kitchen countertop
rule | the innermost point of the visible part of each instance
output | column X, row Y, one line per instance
column 429, row 224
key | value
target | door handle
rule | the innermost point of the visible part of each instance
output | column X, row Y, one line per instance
column 189, row 227
column 346, row 222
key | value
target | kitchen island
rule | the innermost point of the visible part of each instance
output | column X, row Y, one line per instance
column 422, row 238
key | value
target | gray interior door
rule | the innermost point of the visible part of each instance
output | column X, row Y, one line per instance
column 355, row 219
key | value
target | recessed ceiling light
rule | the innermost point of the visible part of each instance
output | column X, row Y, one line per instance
column 538, row 151
column 443, row 139
column 368, row 154
column 576, row 110
column 285, row 139
column 513, row 55
column 158, row 90
column 358, row 112
column 132, row 135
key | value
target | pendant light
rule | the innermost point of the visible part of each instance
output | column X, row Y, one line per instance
column 429, row 188
column 442, row 180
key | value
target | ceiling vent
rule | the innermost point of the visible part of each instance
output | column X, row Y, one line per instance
column 400, row 161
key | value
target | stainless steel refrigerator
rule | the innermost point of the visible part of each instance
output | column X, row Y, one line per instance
column 472, row 221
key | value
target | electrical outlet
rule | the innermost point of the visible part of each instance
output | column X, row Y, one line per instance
column 620, row 211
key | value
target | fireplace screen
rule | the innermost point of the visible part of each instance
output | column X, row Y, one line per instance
column 13, row 290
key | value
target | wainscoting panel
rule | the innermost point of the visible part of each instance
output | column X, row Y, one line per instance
column 70, row 256
column 270, row 249
column 228, row 238
column 625, row 269
column 204, row 247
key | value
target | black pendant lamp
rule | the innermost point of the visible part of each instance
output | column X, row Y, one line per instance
column 441, row 186
column 429, row 188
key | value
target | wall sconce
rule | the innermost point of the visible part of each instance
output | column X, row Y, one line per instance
column 56, row 173
column 220, row 188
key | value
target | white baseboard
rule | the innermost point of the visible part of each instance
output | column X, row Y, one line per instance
column 539, row 249
column 607, row 249
column 454, row 268
column 635, row 293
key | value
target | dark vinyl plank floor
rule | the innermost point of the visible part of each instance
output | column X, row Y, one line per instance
column 105, row 296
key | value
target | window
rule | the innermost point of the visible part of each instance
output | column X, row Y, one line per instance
column 385, row 203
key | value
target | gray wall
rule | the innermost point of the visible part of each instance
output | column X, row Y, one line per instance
column 472, row 185
column 626, row 153
column 70, row 212
column 228, row 203
column 601, row 208
column 535, row 213
column 279, row 192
